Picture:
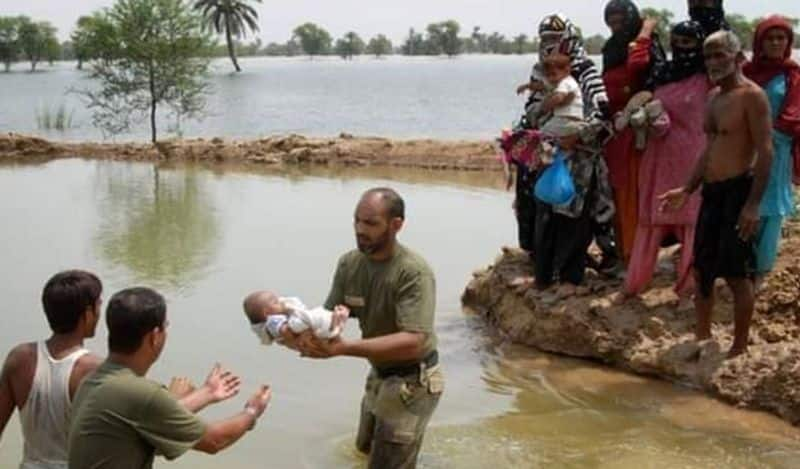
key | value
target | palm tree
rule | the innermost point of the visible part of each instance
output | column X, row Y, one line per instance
column 234, row 17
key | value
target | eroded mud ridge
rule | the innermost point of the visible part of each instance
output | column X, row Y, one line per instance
column 653, row 335
column 289, row 149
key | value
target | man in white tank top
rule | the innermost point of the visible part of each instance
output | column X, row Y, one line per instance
column 41, row 378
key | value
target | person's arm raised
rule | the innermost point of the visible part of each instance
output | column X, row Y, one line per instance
column 222, row 434
column 220, row 385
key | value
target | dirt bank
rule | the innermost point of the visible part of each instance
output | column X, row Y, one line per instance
column 653, row 335
column 278, row 150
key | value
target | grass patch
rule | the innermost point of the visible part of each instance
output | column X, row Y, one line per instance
column 54, row 119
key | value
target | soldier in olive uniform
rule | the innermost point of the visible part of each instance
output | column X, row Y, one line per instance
column 392, row 292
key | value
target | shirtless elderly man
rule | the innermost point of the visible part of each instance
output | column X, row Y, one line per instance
column 733, row 171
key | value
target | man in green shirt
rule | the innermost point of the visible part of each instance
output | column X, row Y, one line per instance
column 392, row 292
column 120, row 419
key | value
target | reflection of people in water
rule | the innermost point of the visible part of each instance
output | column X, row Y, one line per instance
column 733, row 172
column 391, row 290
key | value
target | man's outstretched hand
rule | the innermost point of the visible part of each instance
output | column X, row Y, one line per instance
column 259, row 401
column 221, row 384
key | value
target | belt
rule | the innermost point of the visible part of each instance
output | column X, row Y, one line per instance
column 429, row 361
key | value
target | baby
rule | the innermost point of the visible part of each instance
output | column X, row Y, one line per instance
column 564, row 100
column 270, row 317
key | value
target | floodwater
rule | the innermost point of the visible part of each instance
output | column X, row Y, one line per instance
column 467, row 97
column 206, row 237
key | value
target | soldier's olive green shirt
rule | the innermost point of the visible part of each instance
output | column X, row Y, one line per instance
column 396, row 295
column 120, row 420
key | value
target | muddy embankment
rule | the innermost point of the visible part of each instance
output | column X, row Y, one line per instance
column 653, row 335
column 279, row 150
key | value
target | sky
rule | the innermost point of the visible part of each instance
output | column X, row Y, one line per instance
column 370, row 17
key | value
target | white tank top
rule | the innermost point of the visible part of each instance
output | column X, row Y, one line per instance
column 45, row 415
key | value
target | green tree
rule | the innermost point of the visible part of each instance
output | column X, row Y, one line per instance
column 520, row 43
column 52, row 49
column 480, row 40
column 68, row 50
column 93, row 37
column 664, row 26
column 349, row 45
column 594, row 44
column 743, row 28
column 496, row 43
column 233, row 17
column 157, row 55
column 414, row 44
column 443, row 37
column 379, row 45
column 36, row 40
column 314, row 40
column 293, row 47
column 9, row 40
column 84, row 35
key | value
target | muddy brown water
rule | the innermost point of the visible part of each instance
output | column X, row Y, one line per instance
column 207, row 236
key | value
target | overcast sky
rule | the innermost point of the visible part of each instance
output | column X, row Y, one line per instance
column 370, row 17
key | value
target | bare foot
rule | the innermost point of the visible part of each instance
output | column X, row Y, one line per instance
column 685, row 305
column 736, row 351
column 702, row 337
column 622, row 297
column 525, row 281
column 522, row 284
column 566, row 290
column 180, row 386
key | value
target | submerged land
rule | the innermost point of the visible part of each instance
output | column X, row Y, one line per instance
column 651, row 335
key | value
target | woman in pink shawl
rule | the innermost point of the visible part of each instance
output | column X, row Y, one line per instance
column 676, row 143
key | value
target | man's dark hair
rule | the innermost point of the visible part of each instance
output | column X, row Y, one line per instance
column 66, row 296
column 395, row 207
column 130, row 315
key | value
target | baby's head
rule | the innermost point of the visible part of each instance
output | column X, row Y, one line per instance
column 556, row 67
column 258, row 305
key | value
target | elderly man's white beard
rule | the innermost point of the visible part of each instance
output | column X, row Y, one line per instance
column 717, row 76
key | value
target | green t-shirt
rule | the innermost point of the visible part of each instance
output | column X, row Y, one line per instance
column 397, row 295
column 120, row 420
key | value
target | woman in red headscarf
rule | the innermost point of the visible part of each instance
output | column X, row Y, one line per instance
column 774, row 70
column 628, row 58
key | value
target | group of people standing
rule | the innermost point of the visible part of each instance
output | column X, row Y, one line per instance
column 655, row 129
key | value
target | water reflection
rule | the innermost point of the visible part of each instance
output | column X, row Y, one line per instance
column 226, row 231
column 568, row 413
column 163, row 226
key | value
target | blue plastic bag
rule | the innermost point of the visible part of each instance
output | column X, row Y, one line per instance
column 555, row 186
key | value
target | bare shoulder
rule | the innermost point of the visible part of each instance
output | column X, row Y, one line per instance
column 20, row 357
column 754, row 93
column 87, row 364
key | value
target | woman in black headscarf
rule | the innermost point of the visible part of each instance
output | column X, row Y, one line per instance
column 710, row 14
column 629, row 56
column 675, row 144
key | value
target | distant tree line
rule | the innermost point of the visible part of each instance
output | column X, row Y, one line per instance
column 24, row 39
column 21, row 38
